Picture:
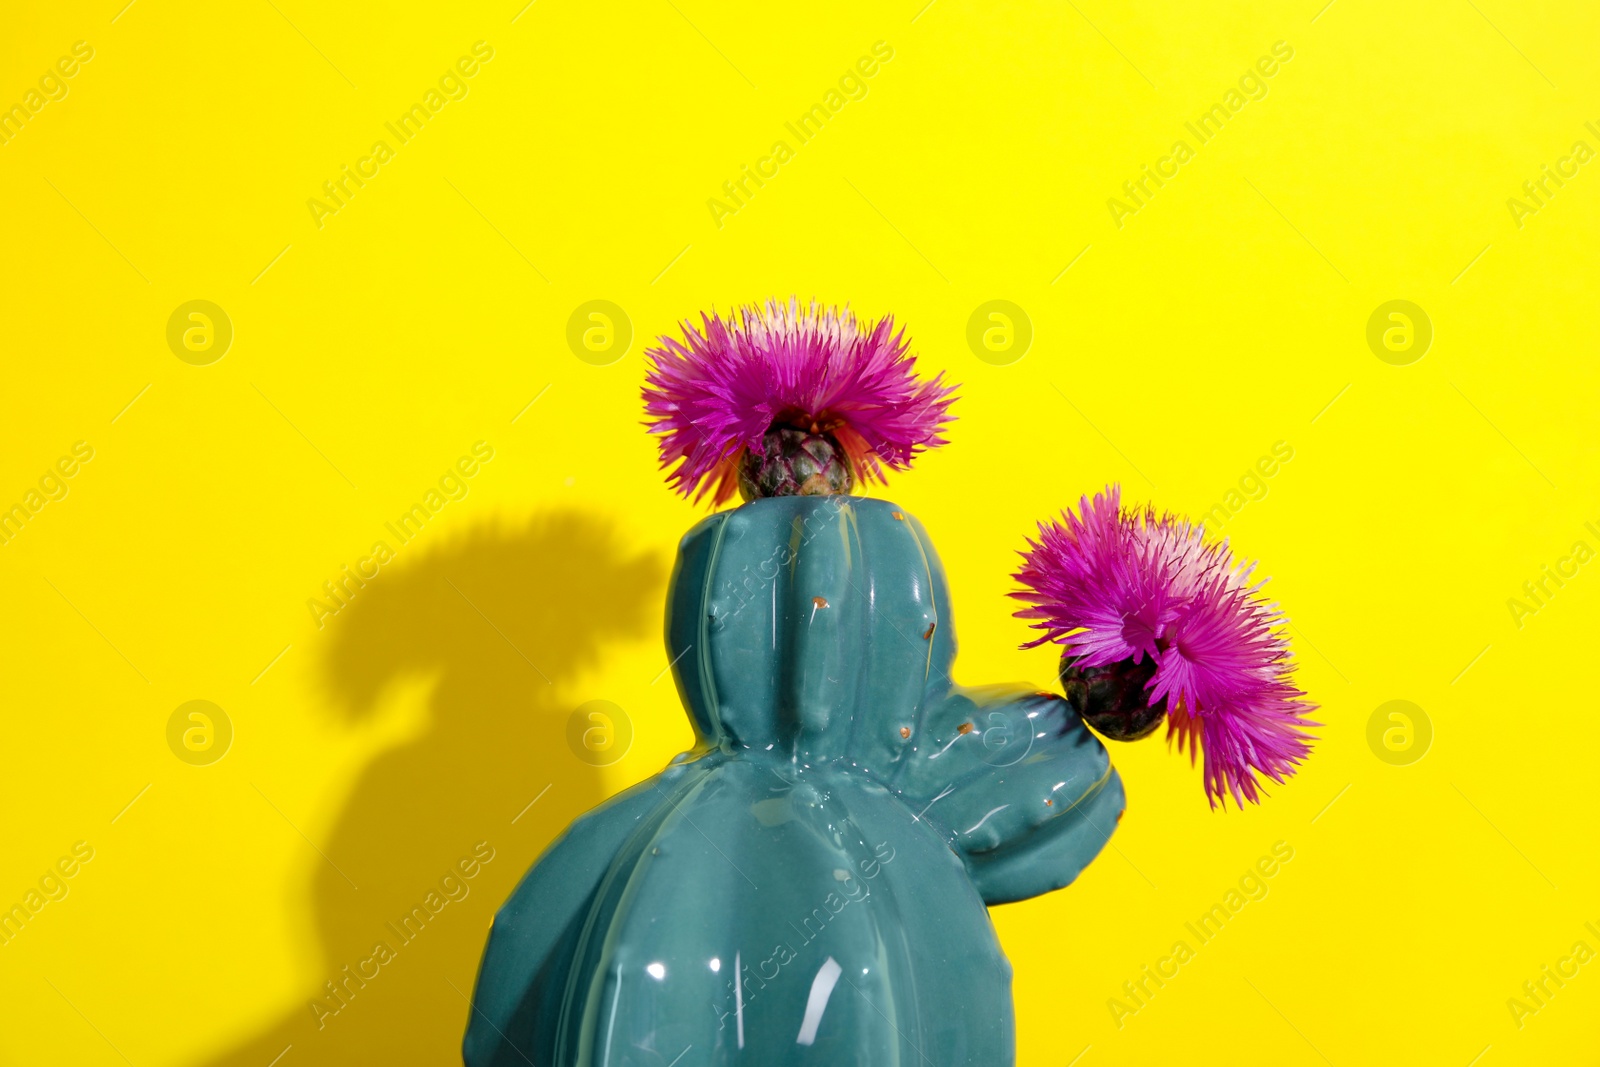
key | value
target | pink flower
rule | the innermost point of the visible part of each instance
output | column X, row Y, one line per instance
column 714, row 395
column 1113, row 584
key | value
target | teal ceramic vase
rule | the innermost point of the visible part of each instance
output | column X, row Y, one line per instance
column 807, row 886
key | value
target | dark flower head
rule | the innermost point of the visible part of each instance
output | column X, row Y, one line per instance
column 713, row 396
column 1115, row 585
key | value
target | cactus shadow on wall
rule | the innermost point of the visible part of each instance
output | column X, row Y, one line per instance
column 501, row 619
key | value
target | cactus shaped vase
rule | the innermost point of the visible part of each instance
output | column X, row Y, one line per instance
column 807, row 885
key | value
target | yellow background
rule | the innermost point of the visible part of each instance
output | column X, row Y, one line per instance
column 428, row 312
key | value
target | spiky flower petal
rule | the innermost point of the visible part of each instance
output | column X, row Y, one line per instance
column 713, row 396
column 1112, row 584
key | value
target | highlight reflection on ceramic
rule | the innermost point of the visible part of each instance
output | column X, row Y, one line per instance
column 808, row 885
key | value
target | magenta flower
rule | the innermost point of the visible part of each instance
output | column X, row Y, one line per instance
column 714, row 395
column 1115, row 585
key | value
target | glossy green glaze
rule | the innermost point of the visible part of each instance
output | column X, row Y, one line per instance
column 807, row 886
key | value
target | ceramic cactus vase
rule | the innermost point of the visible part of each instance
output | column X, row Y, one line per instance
column 808, row 884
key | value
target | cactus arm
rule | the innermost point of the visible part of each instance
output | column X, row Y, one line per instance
column 1026, row 792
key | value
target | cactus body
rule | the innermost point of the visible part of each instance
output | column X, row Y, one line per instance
column 808, row 884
